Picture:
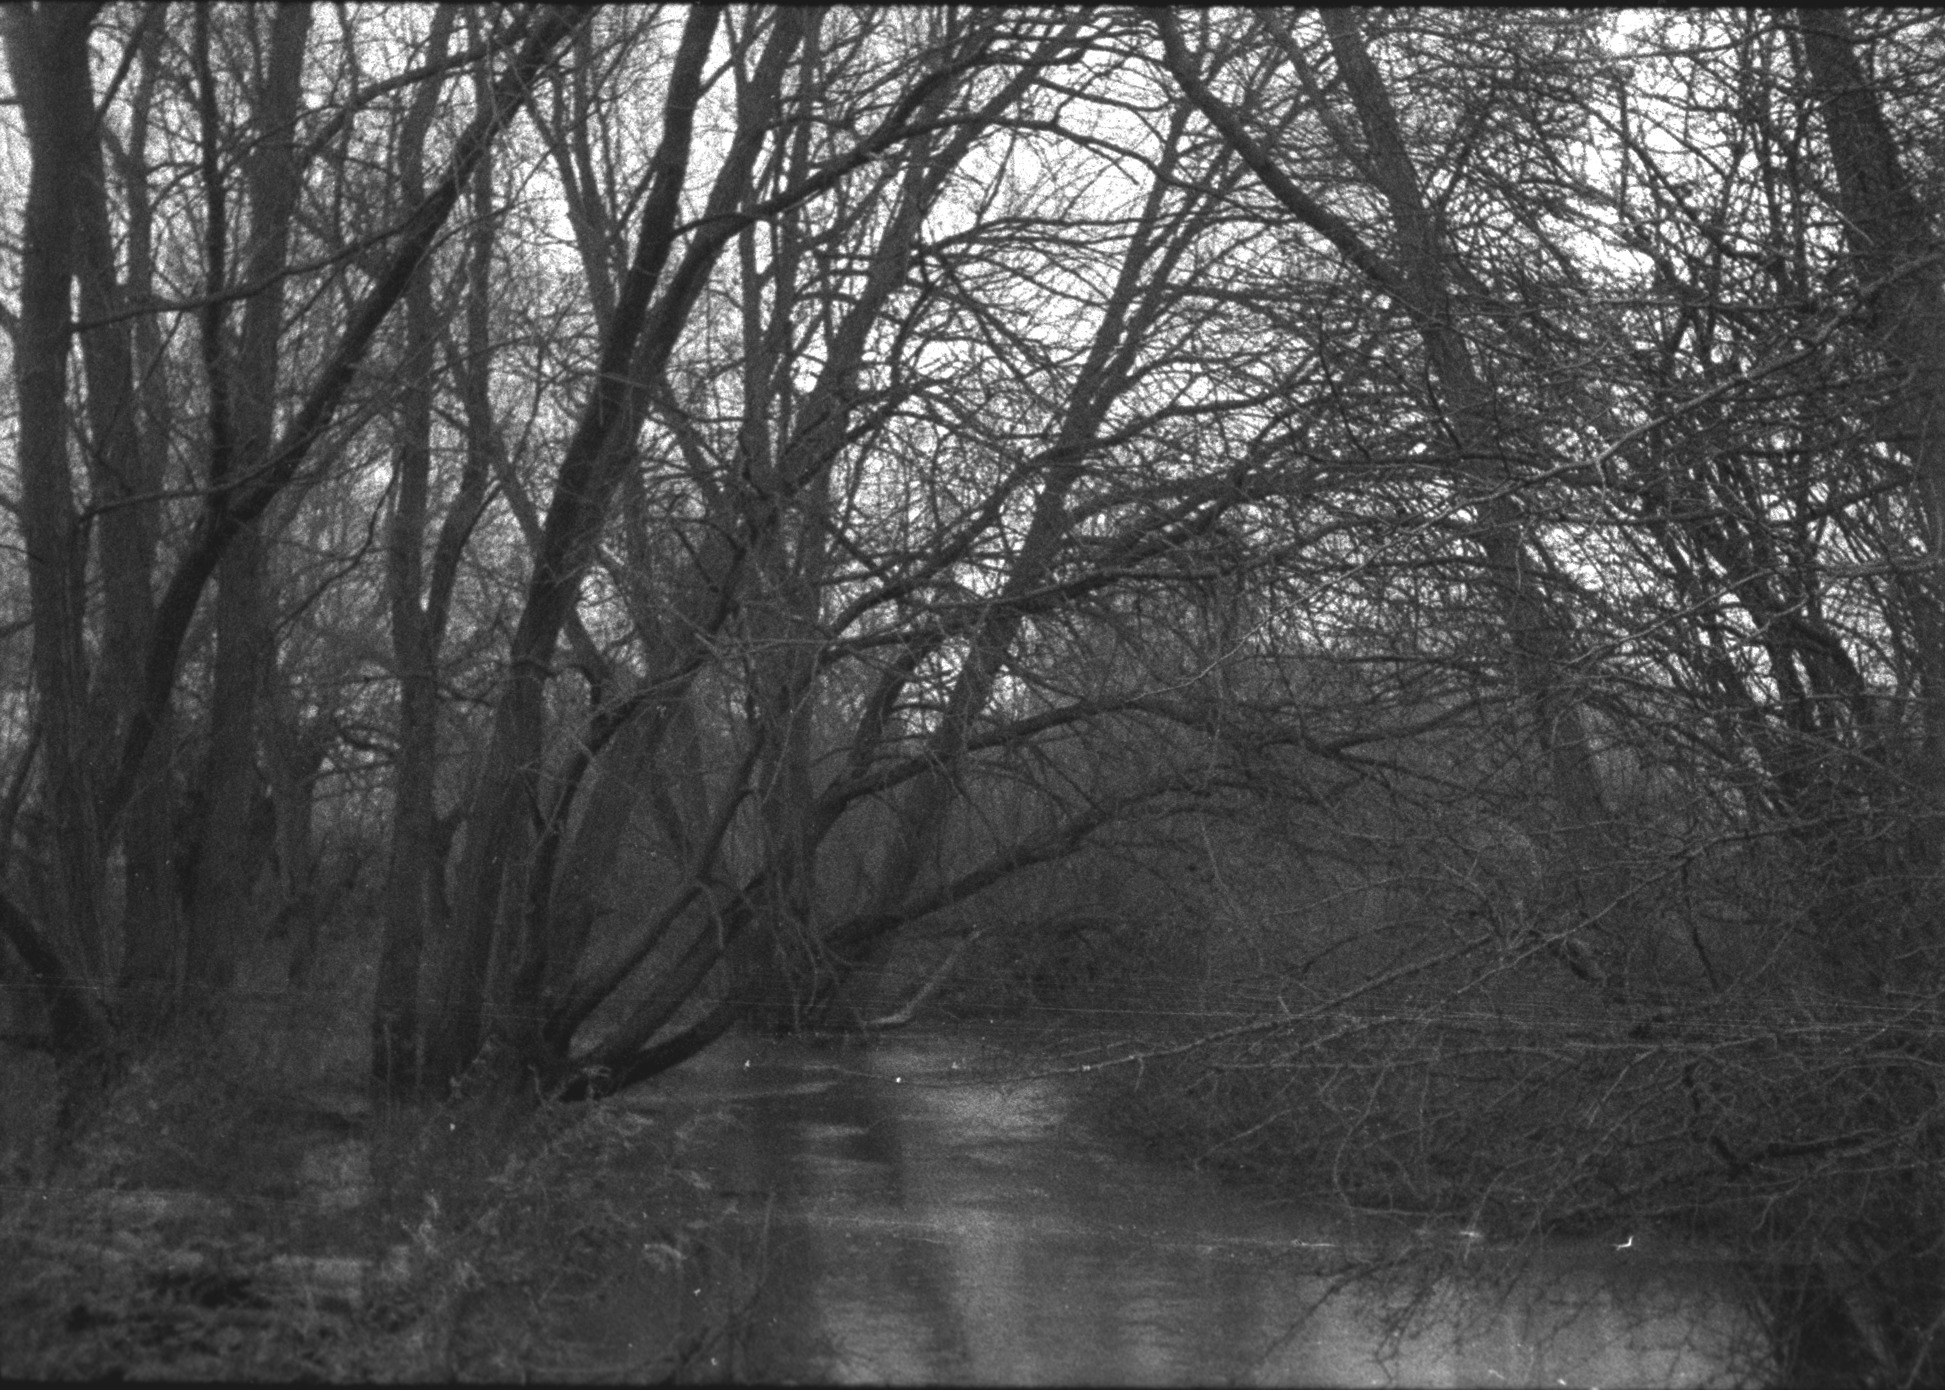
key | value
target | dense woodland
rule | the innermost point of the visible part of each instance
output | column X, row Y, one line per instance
column 1413, row 536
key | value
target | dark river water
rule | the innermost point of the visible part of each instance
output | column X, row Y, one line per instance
column 931, row 1213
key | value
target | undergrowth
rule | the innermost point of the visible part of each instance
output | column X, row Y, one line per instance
column 217, row 1220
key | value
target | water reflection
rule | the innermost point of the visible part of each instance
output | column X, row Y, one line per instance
column 933, row 1221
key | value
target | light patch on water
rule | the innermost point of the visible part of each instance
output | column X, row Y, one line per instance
column 825, row 1133
column 983, row 1112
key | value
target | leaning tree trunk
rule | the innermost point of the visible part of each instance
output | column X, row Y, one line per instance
column 1576, row 824
column 498, row 823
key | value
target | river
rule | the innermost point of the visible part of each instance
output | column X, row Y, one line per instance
column 931, row 1212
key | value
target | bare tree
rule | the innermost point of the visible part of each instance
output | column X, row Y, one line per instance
column 94, row 778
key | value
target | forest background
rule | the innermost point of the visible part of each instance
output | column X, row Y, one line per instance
column 1405, row 544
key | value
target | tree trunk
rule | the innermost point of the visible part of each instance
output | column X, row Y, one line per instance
column 407, row 897
column 1897, row 259
column 128, row 482
column 1579, row 829
column 47, row 50
column 230, row 859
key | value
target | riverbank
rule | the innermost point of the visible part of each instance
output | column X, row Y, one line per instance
column 219, row 1219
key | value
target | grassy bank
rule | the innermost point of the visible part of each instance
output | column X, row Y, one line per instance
column 220, row 1215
